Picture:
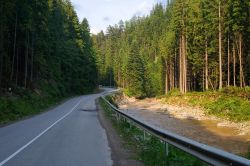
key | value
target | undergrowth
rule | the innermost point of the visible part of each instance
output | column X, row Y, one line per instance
column 24, row 102
column 14, row 107
column 150, row 150
column 248, row 154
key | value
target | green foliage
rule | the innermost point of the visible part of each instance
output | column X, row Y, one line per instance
column 151, row 151
column 45, row 45
column 111, row 99
column 136, row 73
column 29, row 103
column 158, row 39
column 236, row 91
column 248, row 154
column 234, row 108
column 231, row 103
column 45, row 55
column 174, row 92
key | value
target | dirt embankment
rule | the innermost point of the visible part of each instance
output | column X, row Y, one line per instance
column 191, row 122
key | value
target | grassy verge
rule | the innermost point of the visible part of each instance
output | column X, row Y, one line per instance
column 230, row 103
column 24, row 102
column 15, row 107
column 151, row 151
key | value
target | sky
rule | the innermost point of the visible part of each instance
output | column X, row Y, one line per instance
column 102, row 13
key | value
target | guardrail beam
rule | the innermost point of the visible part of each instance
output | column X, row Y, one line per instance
column 203, row 152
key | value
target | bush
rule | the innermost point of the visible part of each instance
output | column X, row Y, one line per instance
column 230, row 103
column 236, row 91
column 234, row 108
column 18, row 106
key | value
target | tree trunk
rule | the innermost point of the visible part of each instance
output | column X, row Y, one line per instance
column 180, row 66
column 32, row 58
column 185, row 66
column 172, row 74
column 183, row 46
column 166, row 77
column 183, row 80
column 211, row 84
column 182, row 53
column 1, row 45
column 228, row 61
column 234, row 70
column 206, row 66
column 203, row 79
column 17, row 65
column 242, row 81
column 175, row 70
column 220, row 49
column 14, row 51
column 26, row 60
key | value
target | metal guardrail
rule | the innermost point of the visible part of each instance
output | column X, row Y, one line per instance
column 204, row 152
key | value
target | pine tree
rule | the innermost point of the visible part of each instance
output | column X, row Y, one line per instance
column 136, row 71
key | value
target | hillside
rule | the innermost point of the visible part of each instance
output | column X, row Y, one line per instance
column 46, row 54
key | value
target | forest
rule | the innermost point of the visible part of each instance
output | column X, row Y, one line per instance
column 197, row 45
column 43, row 44
column 46, row 53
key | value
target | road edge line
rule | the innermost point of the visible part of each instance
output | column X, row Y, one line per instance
column 39, row 135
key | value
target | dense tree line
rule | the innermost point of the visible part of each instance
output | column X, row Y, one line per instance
column 43, row 46
column 191, row 45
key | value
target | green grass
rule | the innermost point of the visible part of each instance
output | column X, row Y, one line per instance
column 111, row 99
column 230, row 103
column 24, row 102
column 151, row 151
column 15, row 107
column 248, row 154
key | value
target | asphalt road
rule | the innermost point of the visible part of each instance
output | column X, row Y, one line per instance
column 68, row 135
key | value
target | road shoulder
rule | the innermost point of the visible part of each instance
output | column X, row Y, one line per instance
column 120, row 155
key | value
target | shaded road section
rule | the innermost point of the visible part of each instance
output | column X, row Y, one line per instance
column 69, row 134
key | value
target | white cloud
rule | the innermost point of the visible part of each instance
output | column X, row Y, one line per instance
column 143, row 8
column 94, row 30
column 102, row 13
column 106, row 18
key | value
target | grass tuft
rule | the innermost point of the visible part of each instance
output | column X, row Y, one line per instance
column 230, row 103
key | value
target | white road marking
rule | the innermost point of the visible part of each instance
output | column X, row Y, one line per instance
column 43, row 132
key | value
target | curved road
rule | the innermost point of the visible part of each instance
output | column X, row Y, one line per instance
column 68, row 135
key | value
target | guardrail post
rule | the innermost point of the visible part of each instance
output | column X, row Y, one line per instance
column 166, row 148
column 144, row 135
column 117, row 116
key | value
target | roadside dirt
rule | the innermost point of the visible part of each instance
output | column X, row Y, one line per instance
column 121, row 156
column 192, row 123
